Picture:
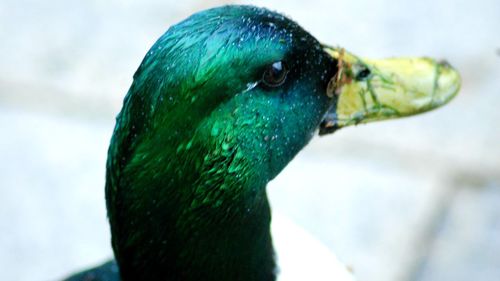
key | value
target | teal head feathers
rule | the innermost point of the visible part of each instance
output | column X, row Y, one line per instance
column 218, row 107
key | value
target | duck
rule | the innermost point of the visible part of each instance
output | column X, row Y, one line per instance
column 218, row 107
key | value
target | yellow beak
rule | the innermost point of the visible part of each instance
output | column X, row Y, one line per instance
column 371, row 90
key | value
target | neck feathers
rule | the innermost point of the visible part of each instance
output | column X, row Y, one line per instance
column 189, row 213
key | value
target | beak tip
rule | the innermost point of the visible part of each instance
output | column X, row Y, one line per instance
column 449, row 83
column 444, row 63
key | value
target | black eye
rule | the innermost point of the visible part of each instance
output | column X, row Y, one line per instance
column 363, row 73
column 275, row 74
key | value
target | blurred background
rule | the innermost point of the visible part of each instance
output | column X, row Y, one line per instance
column 416, row 199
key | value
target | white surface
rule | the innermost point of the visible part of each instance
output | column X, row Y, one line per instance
column 303, row 257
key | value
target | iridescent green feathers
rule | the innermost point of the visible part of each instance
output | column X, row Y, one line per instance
column 199, row 137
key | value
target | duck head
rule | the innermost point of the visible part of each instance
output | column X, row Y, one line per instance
column 218, row 107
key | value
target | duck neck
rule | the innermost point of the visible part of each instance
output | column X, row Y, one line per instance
column 197, row 227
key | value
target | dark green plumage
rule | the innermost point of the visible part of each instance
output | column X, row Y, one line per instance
column 202, row 131
column 198, row 140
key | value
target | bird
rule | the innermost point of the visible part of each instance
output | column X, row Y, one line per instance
column 218, row 107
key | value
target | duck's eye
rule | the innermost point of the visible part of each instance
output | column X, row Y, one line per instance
column 362, row 73
column 275, row 74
